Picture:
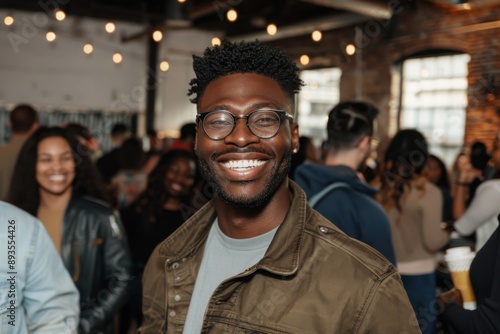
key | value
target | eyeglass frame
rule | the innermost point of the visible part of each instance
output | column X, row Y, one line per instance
column 282, row 114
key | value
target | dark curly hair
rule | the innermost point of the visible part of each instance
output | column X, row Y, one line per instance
column 245, row 57
column 444, row 180
column 405, row 158
column 24, row 189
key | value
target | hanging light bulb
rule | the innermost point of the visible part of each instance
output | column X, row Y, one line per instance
column 110, row 27
column 181, row 1
column 216, row 41
column 272, row 29
column 232, row 15
column 164, row 66
column 51, row 36
column 316, row 35
column 60, row 15
column 88, row 48
column 117, row 58
column 350, row 49
column 304, row 59
column 8, row 20
column 157, row 36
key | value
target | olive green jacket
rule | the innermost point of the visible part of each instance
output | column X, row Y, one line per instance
column 313, row 279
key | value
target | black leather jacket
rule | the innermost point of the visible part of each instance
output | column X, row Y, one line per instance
column 96, row 254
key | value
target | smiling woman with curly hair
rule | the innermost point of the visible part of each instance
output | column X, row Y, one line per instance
column 54, row 181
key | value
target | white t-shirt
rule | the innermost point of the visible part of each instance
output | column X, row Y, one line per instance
column 481, row 214
column 223, row 258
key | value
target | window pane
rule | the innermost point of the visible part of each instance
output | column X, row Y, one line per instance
column 434, row 100
column 317, row 97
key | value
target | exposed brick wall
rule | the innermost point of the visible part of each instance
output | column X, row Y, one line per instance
column 417, row 26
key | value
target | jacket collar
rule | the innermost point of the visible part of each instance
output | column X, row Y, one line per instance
column 282, row 256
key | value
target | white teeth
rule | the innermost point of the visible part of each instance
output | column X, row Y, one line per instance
column 57, row 177
column 243, row 164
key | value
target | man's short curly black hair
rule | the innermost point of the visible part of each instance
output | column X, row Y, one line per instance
column 244, row 57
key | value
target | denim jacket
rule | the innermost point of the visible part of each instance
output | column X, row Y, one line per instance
column 37, row 294
column 312, row 279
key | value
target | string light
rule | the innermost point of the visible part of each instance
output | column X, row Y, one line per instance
column 88, row 48
column 8, row 20
column 232, row 15
column 350, row 49
column 316, row 35
column 60, row 15
column 304, row 59
column 51, row 36
column 110, row 27
column 157, row 36
column 216, row 41
column 272, row 29
column 164, row 66
column 117, row 58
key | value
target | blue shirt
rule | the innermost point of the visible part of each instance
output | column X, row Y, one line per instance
column 37, row 294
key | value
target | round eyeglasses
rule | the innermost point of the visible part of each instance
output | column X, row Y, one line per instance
column 263, row 123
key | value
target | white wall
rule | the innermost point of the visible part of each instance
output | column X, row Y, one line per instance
column 173, row 106
column 59, row 75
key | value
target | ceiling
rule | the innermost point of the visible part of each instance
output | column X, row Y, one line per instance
column 253, row 15
column 293, row 17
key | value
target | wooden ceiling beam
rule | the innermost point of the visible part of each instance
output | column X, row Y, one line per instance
column 372, row 9
column 305, row 27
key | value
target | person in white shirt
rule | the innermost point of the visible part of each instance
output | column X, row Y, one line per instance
column 481, row 214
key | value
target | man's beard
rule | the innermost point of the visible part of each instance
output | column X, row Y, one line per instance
column 273, row 181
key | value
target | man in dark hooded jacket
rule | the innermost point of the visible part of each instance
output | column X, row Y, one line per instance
column 335, row 189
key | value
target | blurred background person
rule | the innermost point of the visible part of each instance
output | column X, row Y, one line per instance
column 350, row 206
column 108, row 164
column 45, row 298
column 414, row 207
column 436, row 172
column 186, row 138
column 479, row 159
column 130, row 180
column 55, row 183
column 23, row 121
column 480, row 216
column 163, row 206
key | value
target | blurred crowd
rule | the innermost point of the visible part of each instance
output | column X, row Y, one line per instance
column 403, row 201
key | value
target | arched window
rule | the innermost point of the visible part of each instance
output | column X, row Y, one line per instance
column 432, row 99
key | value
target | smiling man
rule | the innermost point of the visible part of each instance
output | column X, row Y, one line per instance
column 257, row 258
